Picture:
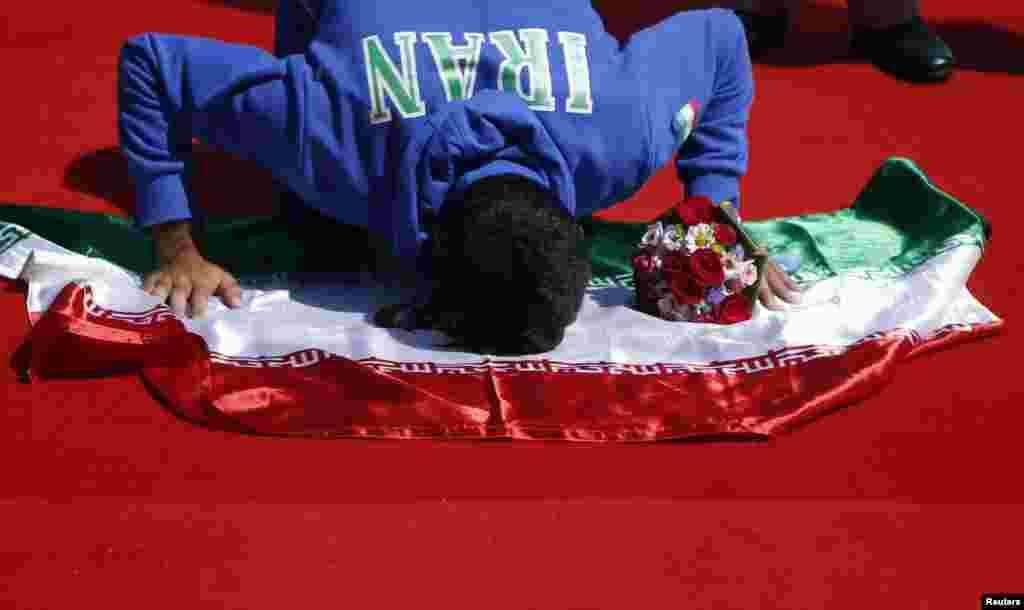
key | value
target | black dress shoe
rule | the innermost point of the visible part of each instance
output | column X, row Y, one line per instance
column 764, row 31
column 911, row 51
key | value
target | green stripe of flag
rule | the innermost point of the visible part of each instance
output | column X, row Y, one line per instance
column 899, row 221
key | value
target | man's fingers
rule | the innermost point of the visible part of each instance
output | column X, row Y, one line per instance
column 186, row 286
column 767, row 297
column 161, row 288
column 789, row 282
column 154, row 282
column 149, row 283
column 199, row 301
column 229, row 291
column 780, row 284
column 178, row 301
column 777, row 287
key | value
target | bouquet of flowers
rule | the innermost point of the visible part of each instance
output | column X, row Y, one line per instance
column 697, row 264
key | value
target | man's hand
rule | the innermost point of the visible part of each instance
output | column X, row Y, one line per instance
column 186, row 280
column 776, row 285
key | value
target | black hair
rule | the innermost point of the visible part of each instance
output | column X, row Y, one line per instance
column 511, row 268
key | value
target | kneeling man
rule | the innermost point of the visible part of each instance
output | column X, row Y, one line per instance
column 466, row 135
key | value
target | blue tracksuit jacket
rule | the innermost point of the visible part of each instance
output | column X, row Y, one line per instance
column 386, row 109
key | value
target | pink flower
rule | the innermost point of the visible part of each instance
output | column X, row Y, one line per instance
column 729, row 265
column 748, row 273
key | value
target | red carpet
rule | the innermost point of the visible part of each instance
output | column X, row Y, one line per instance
column 911, row 499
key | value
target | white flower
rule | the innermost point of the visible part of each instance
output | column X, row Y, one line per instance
column 699, row 237
column 653, row 235
column 672, row 240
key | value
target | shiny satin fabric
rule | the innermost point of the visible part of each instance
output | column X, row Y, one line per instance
column 318, row 393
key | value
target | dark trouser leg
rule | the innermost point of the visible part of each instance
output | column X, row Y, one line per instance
column 882, row 13
column 295, row 26
column 765, row 22
column 327, row 244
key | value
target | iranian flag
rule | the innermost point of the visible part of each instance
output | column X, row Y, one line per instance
column 885, row 281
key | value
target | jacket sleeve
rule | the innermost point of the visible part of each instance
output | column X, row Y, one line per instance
column 237, row 98
column 715, row 156
column 694, row 70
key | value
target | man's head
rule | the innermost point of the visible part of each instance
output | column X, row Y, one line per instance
column 511, row 267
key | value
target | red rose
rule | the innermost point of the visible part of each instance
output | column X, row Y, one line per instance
column 707, row 268
column 674, row 262
column 685, row 288
column 643, row 264
column 725, row 234
column 696, row 210
column 735, row 308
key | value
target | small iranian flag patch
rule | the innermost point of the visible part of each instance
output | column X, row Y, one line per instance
column 685, row 122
